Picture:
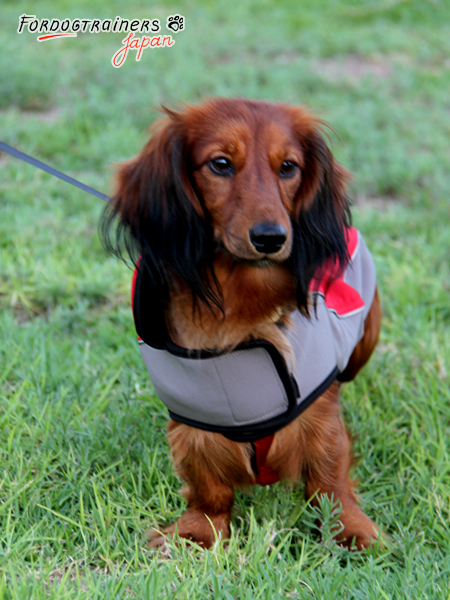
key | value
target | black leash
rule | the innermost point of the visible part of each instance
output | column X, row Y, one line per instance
column 40, row 165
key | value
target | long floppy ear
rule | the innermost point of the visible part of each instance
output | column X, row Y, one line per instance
column 155, row 218
column 322, row 212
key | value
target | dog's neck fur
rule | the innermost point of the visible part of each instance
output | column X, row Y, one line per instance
column 254, row 300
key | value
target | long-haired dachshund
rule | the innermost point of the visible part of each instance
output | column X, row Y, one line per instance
column 246, row 302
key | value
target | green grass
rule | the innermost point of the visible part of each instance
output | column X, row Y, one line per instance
column 85, row 467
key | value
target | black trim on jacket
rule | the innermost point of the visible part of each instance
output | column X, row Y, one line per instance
column 151, row 328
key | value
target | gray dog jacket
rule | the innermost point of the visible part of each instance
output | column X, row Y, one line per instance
column 249, row 393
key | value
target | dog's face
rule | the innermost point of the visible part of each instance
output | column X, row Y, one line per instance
column 247, row 167
column 251, row 179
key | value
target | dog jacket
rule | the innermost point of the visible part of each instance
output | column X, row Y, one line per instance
column 248, row 394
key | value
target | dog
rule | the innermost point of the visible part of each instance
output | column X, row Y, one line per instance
column 236, row 215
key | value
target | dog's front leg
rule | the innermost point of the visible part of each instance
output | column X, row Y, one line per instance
column 326, row 468
column 210, row 465
column 208, row 514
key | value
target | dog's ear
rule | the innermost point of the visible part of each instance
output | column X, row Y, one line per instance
column 156, row 219
column 321, row 213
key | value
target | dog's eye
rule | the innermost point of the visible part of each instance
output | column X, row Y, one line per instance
column 221, row 166
column 288, row 169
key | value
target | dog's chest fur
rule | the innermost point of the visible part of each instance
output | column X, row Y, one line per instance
column 254, row 300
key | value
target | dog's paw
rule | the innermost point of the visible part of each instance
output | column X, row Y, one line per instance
column 157, row 538
column 194, row 526
column 360, row 532
column 375, row 539
column 175, row 23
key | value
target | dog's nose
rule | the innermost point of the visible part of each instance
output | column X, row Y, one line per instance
column 268, row 238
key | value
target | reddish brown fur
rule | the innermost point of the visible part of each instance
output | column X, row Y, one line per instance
column 256, row 296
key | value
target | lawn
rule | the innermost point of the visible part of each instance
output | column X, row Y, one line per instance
column 85, row 467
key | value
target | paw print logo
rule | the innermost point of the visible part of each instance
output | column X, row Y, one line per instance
column 175, row 23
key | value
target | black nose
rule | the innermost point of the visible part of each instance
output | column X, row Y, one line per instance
column 268, row 238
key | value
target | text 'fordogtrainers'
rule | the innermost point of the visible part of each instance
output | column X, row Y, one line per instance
column 49, row 29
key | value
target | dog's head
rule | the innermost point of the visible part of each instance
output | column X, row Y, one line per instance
column 250, row 179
